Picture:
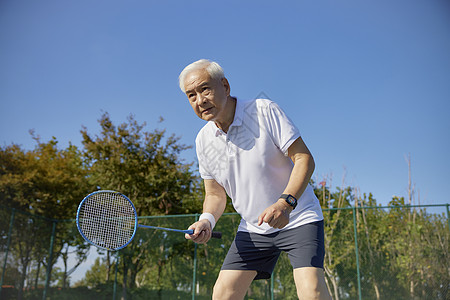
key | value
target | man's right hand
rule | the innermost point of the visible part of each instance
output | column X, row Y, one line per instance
column 202, row 232
column 276, row 215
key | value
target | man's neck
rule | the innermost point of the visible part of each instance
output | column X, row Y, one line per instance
column 228, row 119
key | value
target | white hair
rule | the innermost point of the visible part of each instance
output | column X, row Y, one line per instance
column 214, row 70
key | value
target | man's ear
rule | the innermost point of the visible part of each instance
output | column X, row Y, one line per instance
column 226, row 84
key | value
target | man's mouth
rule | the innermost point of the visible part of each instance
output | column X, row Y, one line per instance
column 206, row 110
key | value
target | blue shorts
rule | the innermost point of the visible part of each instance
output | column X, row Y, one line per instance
column 259, row 252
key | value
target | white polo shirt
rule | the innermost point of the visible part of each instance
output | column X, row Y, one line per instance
column 250, row 162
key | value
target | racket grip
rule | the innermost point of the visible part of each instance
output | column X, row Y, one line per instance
column 216, row 234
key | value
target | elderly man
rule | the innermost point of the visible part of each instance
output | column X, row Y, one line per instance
column 253, row 152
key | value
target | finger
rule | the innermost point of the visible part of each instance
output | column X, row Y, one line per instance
column 260, row 219
column 197, row 231
column 281, row 226
column 202, row 238
column 278, row 225
column 196, row 237
column 190, row 236
column 208, row 234
column 199, row 228
column 277, row 222
column 206, row 237
column 268, row 218
column 281, row 223
column 273, row 223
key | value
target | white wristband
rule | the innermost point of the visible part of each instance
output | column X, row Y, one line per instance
column 208, row 217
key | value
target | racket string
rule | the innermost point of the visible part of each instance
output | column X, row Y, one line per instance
column 108, row 220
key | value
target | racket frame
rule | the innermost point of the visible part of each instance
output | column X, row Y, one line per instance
column 215, row 234
column 91, row 242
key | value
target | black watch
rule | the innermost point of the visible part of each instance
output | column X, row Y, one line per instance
column 289, row 199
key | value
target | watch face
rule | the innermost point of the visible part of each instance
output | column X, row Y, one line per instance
column 290, row 199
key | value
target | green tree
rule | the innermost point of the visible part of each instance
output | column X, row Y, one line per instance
column 143, row 165
column 45, row 181
column 94, row 277
column 147, row 167
column 339, row 264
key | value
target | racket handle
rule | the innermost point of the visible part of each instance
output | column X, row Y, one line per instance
column 216, row 234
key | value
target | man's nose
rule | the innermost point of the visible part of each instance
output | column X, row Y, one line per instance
column 201, row 99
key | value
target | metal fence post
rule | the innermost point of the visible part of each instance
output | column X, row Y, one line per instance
column 194, row 275
column 271, row 287
column 448, row 217
column 11, row 222
column 115, row 276
column 357, row 253
column 49, row 263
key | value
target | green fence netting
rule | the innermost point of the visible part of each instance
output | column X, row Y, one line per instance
column 378, row 252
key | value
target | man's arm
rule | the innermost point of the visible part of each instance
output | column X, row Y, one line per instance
column 214, row 203
column 277, row 215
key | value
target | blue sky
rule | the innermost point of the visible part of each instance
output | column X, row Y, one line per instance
column 367, row 82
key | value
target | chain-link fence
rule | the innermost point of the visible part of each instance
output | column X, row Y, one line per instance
column 372, row 253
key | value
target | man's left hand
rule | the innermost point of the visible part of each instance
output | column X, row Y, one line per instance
column 276, row 215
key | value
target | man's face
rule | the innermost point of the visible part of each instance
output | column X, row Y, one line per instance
column 207, row 96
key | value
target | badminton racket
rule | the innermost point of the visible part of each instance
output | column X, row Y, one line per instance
column 108, row 220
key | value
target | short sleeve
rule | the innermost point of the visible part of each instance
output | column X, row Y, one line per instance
column 282, row 129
